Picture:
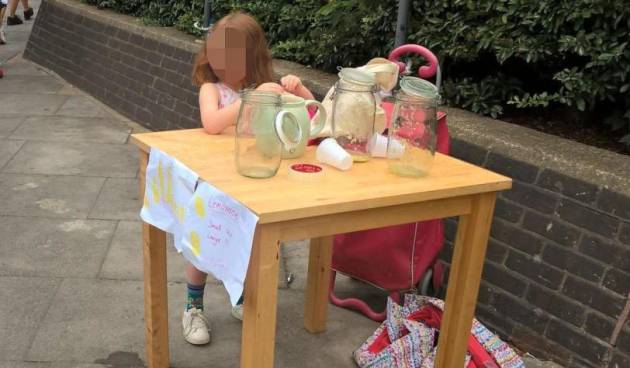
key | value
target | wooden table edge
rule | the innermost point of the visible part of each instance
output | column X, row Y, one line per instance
column 135, row 140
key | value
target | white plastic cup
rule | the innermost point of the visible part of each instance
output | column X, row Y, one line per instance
column 331, row 153
column 378, row 145
column 395, row 149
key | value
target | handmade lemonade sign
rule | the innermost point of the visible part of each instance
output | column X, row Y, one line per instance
column 218, row 236
column 168, row 190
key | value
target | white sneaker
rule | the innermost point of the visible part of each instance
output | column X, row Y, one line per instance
column 237, row 311
column 3, row 36
column 196, row 327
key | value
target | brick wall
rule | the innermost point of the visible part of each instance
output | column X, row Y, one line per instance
column 557, row 274
column 557, row 271
column 146, row 80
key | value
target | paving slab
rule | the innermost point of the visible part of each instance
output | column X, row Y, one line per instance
column 30, row 104
column 17, row 66
column 9, row 124
column 72, row 129
column 67, row 364
column 124, row 258
column 20, row 316
column 30, row 84
column 119, row 200
column 48, row 196
column 8, row 149
column 295, row 255
column 46, row 247
column 14, row 47
column 82, row 106
column 89, row 319
column 21, row 364
column 82, row 159
column 70, row 91
column 346, row 331
column 294, row 346
column 531, row 362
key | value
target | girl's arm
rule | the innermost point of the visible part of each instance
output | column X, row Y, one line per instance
column 293, row 84
column 215, row 120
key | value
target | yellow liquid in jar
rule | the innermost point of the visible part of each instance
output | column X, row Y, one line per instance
column 406, row 170
column 257, row 172
column 414, row 162
column 360, row 158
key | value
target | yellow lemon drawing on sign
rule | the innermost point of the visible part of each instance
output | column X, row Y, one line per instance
column 146, row 201
column 169, row 188
column 156, row 192
column 195, row 243
column 199, row 210
column 161, row 176
column 179, row 212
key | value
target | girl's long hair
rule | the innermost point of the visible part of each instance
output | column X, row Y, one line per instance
column 258, row 66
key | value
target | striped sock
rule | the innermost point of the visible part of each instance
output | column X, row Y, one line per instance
column 195, row 296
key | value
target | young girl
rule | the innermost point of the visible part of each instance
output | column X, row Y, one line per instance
column 235, row 56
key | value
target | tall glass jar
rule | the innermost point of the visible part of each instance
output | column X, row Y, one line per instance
column 412, row 134
column 354, row 108
column 262, row 129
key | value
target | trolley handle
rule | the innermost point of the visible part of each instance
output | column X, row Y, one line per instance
column 425, row 71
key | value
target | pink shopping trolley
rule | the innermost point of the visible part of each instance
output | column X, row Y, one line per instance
column 395, row 258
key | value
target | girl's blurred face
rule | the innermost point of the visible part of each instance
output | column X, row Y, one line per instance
column 227, row 54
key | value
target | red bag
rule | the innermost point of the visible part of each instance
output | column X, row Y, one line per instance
column 386, row 257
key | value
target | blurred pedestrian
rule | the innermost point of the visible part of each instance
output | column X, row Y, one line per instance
column 13, row 19
column 3, row 9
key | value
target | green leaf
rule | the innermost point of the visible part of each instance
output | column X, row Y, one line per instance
column 581, row 104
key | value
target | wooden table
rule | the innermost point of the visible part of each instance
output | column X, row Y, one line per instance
column 366, row 197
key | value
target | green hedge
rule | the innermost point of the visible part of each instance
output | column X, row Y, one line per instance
column 496, row 55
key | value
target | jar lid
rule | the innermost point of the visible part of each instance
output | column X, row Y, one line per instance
column 357, row 76
column 417, row 87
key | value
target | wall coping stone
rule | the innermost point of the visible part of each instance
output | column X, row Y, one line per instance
column 590, row 164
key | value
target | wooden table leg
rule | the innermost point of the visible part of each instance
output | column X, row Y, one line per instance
column 463, row 284
column 316, row 307
column 155, row 292
column 261, row 293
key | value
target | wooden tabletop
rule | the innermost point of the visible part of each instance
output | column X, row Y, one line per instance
column 366, row 185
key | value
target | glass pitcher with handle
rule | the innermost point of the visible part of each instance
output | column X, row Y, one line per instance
column 263, row 130
column 311, row 127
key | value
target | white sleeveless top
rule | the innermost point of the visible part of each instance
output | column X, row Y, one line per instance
column 227, row 95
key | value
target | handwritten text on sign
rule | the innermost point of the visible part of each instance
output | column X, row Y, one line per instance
column 217, row 237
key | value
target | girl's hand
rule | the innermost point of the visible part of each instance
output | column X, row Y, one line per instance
column 270, row 87
column 291, row 83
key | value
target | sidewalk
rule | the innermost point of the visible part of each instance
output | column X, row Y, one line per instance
column 71, row 291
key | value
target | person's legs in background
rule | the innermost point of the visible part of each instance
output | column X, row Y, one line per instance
column 13, row 19
column 28, row 11
column 3, row 9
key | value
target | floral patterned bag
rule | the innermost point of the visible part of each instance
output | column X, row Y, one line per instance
column 408, row 339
